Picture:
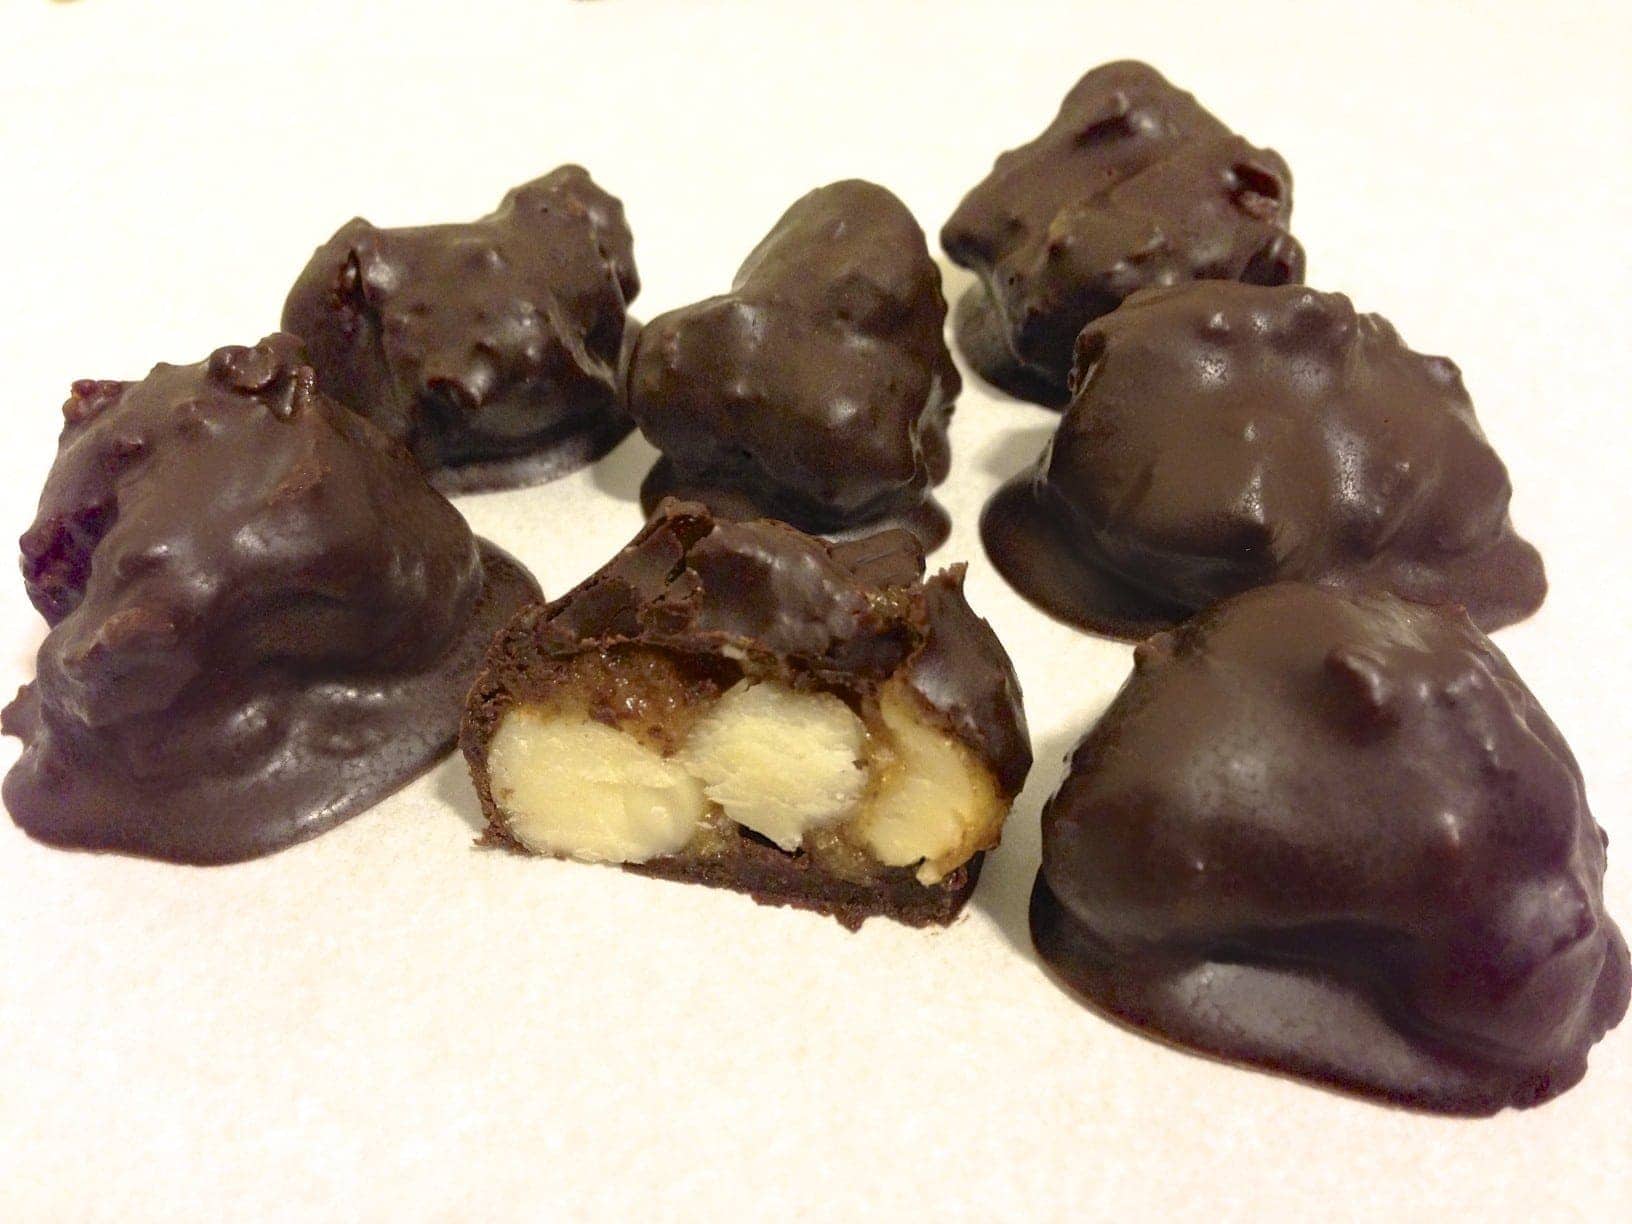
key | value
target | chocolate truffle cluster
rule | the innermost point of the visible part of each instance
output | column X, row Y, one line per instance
column 1324, row 827
column 491, row 349
column 1225, row 436
column 1132, row 186
column 818, row 390
column 1334, row 834
column 262, row 618
column 742, row 705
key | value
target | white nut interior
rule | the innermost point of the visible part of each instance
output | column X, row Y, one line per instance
column 781, row 762
column 574, row 787
column 778, row 761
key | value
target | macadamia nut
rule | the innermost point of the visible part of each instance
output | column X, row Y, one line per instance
column 574, row 787
column 778, row 761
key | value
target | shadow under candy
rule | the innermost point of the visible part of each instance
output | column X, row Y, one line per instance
column 1004, row 893
column 619, row 474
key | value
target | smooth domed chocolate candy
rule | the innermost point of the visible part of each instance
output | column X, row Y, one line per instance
column 1334, row 835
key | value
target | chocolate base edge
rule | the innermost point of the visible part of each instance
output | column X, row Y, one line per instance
column 982, row 339
column 218, row 821
column 561, row 457
column 1499, row 586
column 1297, row 1022
column 771, row 877
column 1036, row 558
column 1504, row 584
column 928, row 520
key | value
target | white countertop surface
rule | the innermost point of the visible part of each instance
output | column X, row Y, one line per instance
column 386, row 1024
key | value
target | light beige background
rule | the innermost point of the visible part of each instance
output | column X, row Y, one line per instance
column 388, row 1024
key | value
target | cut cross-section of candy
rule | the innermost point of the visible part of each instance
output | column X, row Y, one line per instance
column 742, row 705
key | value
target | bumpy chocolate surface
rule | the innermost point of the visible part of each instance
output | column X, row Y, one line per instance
column 762, row 599
column 1334, row 835
column 492, row 349
column 1227, row 436
column 263, row 619
column 818, row 390
column 1132, row 186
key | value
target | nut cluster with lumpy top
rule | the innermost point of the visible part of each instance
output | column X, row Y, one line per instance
column 1226, row 436
column 1133, row 186
column 491, row 349
column 244, row 648
column 818, row 390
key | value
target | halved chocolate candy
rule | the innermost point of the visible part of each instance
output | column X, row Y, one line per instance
column 741, row 705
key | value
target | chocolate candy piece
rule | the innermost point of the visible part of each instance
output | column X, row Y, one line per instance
column 741, row 705
column 818, row 390
column 1227, row 436
column 491, row 348
column 263, row 619
column 1133, row 185
column 1334, row 835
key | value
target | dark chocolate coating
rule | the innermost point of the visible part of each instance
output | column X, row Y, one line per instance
column 762, row 598
column 1132, row 186
column 771, row 877
column 1227, row 436
column 819, row 389
column 263, row 619
column 491, row 349
column 1334, row 835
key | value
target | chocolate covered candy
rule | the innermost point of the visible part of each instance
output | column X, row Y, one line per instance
column 742, row 705
column 1334, row 835
column 818, row 390
column 1226, row 436
column 1132, row 186
column 491, row 349
column 262, row 618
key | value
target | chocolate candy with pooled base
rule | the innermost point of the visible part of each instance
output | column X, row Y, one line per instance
column 1227, row 436
column 738, row 704
column 262, row 618
column 1132, row 186
column 492, row 349
column 1334, row 835
column 818, row 390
